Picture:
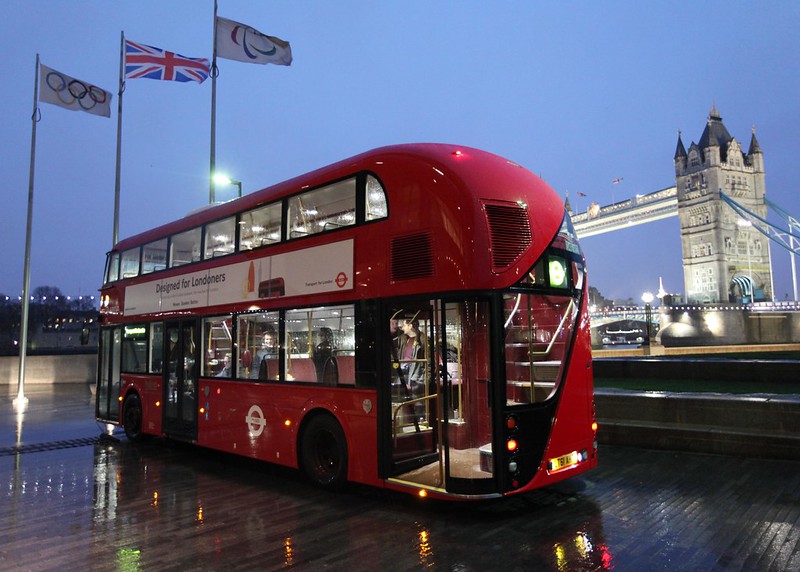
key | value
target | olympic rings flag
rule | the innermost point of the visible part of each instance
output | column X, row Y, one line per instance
column 70, row 93
column 242, row 43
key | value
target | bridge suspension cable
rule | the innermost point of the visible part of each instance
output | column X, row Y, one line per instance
column 782, row 236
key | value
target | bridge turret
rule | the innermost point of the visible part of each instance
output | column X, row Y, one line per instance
column 680, row 156
column 755, row 157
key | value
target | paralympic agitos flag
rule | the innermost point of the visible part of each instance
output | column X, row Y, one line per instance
column 142, row 61
column 70, row 93
column 242, row 43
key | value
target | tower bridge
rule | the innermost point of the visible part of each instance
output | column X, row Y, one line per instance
column 634, row 211
column 720, row 199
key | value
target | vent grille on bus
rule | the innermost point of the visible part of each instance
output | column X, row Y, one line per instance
column 509, row 233
column 412, row 257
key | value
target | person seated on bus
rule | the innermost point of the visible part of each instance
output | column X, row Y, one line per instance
column 227, row 370
column 324, row 361
column 266, row 353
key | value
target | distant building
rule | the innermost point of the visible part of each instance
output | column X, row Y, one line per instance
column 724, row 260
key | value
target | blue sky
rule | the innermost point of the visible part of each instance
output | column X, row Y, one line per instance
column 580, row 93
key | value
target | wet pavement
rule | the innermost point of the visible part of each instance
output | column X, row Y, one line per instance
column 71, row 500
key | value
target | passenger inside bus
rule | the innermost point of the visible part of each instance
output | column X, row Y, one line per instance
column 226, row 370
column 268, row 353
column 411, row 374
column 324, row 360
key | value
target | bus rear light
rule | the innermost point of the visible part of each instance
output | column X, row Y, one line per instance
column 513, row 467
column 511, row 422
column 422, row 493
column 512, row 445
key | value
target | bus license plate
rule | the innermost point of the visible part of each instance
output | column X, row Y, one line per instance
column 562, row 462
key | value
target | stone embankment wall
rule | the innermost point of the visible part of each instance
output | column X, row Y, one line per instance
column 81, row 368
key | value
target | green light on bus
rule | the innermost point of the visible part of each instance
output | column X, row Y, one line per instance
column 558, row 273
column 132, row 331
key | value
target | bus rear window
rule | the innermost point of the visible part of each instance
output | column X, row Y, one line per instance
column 375, row 199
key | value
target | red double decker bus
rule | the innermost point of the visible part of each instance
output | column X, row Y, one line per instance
column 414, row 318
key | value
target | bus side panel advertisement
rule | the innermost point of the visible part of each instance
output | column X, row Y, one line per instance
column 326, row 268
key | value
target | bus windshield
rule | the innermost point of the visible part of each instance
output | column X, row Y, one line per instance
column 540, row 313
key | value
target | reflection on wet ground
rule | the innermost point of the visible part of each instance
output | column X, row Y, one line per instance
column 110, row 505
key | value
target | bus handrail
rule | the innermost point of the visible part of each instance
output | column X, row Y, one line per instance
column 402, row 404
column 555, row 335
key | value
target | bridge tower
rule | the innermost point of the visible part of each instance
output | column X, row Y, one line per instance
column 724, row 259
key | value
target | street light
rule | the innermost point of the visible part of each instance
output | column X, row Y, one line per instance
column 647, row 297
column 221, row 179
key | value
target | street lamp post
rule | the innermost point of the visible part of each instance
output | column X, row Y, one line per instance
column 221, row 179
column 647, row 298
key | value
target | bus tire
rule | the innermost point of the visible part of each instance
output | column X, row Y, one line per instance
column 323, row 453
column 132, row 418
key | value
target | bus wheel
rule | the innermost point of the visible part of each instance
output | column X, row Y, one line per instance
column 132, row 418
column 323, row 453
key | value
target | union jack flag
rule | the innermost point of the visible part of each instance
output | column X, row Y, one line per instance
column 153, row 63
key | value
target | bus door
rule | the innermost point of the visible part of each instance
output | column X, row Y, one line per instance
column 412, row 414
column 108, row 375
column 441, row 430
column 180, row 379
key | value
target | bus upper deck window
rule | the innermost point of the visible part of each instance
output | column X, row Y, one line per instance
column 185, row 248
column 220, row 237
column 154, row 256
column 323, row 209
column 260, row 227
column 375, row 199
column 112, row 268
column 130, row 263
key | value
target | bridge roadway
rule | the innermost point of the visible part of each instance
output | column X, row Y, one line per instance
column 71, row 501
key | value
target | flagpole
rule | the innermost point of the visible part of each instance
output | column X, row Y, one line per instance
column 214, row 73
column 21, row 401
column 119, row 136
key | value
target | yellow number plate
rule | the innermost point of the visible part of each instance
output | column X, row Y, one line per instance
column 562, row 462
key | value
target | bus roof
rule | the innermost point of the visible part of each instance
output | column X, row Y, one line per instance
column 471, row 168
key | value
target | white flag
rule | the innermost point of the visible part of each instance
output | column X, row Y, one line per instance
column 242, row 43
column 65, row 91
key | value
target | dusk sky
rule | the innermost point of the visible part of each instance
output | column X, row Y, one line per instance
column 580, row 93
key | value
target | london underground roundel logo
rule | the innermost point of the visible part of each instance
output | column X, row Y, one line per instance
column 341, row 279
column 255, row 421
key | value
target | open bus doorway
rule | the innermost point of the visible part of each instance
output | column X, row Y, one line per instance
column 439, row 420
